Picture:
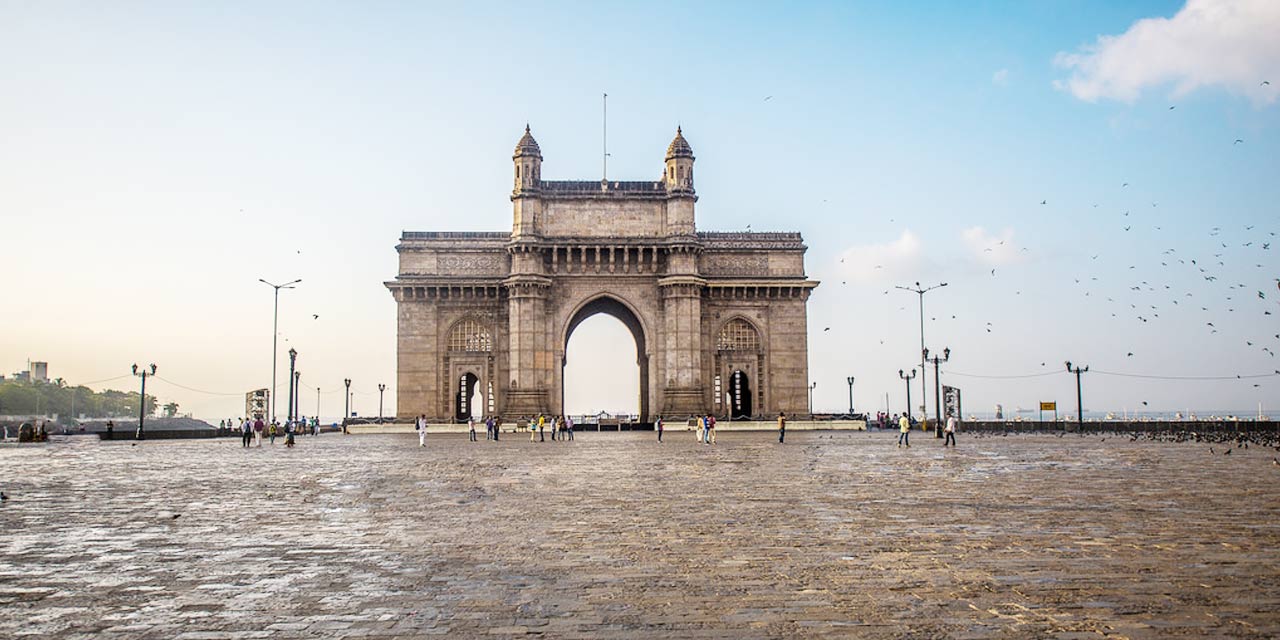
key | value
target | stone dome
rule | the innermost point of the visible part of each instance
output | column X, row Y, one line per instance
column 679, row 147
column 528, row 146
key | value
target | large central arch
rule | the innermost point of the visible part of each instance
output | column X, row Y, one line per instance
column 613, row 306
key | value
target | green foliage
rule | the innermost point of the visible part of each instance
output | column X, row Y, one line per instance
column 46, row 398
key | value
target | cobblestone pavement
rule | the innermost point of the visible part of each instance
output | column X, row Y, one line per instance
column 615, row 535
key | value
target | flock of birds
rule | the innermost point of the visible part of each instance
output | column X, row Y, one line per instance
column 1209, row 279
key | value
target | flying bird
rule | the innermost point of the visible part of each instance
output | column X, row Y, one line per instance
column 315, row 316
column 1238, row 141
column 768, row 98
column 1044, row 202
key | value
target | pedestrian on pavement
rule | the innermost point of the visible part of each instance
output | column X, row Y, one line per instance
column 497, row 427
column 782, row 427
column 488, row 428
column 420, row 423
column 289, row 428
column 702, row 428
column 711, row 429
column 471, row 428
column 258, row 427
column 568, row 427
column 657, row 426
column 542, row 428
column 950, row 430
column 246, row 433
column 111, row 430
column 272, row 430
column 904, row 428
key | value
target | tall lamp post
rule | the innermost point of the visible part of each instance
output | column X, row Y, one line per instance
column 317, row 404
column 346, row 401
column 293, row 360
column 275, row 334
column 381, row 388
column 924, row 388
column 908, row 378
column 1079, row 396
column 297, row 393
column 142, row 403
column 850, row 381
column 937, row 388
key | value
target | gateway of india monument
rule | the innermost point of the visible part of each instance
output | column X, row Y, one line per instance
column 483, row 318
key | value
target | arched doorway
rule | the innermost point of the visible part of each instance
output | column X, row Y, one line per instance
column 469, row 401
column 615, row 308
column 739, row 399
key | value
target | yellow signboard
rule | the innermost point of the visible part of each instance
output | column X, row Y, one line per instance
column 1048, row 406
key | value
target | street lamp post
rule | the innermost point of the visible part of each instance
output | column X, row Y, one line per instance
column 297, row 392
column 811, row 388
column 317, row 404
column 346, row 405
column 293, row 360
column 142, row 402
column 275, row 333
column 908, row 378
column 1079, row 396
column 937, row 388
column 924, row 388
column 850, row 381
column 381, row 388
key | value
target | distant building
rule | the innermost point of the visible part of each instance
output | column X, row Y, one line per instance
column 39, row 371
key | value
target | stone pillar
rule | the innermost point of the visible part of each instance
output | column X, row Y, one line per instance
column 529, row 353
column 682, row 345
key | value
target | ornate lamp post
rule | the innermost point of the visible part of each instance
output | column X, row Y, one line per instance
column 381, row 388
column 908, row 378
column 297, row 393
column 937, row 388
column 293, row 360
column 850, row 381
column 142, row 404
column 275, row 333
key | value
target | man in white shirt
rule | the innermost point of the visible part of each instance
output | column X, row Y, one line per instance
column 421, row 424
column 950, row 431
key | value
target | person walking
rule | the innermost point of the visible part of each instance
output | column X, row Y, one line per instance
column 904, row 431
column 246, row 433
column 471, row 428
column 533, row 429
column 711, row 429
column 488, row 428
column 657, row 426
column 542, row 428
column 288, row 434
column 702, row 427
column 420, row 423
column 782, row 427
column 258, row 427
column 272, row 430
column 950, row 430
column 497, row 427
column 568, row 427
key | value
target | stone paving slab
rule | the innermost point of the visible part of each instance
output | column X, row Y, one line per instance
column 614, row 535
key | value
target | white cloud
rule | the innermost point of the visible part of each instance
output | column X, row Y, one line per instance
column 899, row 258
column 1000, row 78
column 991, row 249
column 1231, row 44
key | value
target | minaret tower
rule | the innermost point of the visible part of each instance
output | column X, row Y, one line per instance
column 527, row 186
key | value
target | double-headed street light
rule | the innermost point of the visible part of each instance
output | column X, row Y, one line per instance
column 293, row 360
column 937, row 388
column 908, row 378
column 275, row 333
column 142, row 402
column 1079, row 395
column 850, row 381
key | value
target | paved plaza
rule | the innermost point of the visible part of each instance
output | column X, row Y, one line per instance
column 614, row 535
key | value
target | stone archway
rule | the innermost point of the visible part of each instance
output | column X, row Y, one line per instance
column 611, row 305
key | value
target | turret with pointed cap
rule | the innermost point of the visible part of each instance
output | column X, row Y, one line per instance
column 679, row 169
column 528, row 161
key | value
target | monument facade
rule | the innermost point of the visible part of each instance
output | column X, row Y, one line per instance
column 483, row 318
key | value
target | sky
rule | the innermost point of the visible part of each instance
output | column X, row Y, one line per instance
column 1059, row 164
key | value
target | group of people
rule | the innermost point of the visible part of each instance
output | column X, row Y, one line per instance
column 904, row 431
column 252, row 432
column 561, row 428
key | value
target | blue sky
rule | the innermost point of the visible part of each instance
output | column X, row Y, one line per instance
column 164, row 156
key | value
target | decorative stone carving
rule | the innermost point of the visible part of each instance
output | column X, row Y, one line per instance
column 472, row 264
column 735, row 265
